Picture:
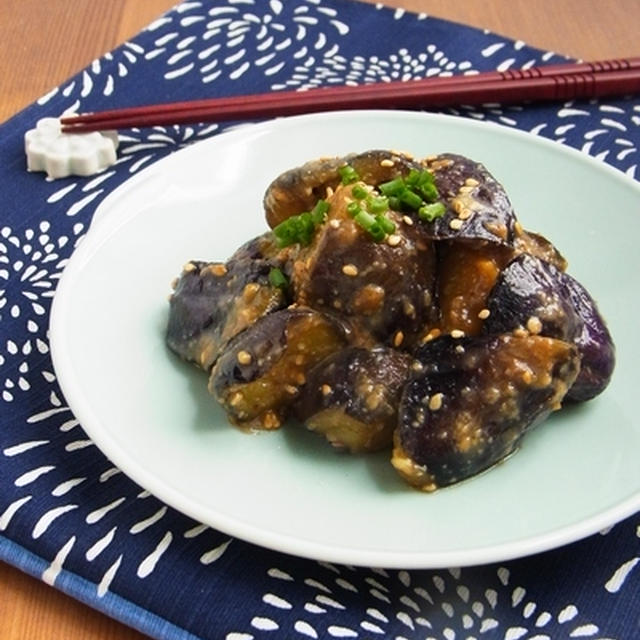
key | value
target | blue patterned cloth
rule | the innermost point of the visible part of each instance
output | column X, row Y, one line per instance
column 72, row 519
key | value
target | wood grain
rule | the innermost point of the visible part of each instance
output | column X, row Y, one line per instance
column 40, row 48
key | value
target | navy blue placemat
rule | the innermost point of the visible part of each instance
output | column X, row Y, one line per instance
column 72, row 519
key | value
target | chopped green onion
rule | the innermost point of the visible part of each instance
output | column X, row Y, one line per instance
column 422, row 183
column 364, row 219
column 429, row 192
column 370, row 224
column 348, row 174
column 392, row 188
column 300, row 228
column 411, row 199
column 416, row 178
column 376, row 232
column 377, row 204
column 353, row 209
column 359, row 192
column 394, row 203
column 278, row 279
column 385, row 224
column 429, row 212
column 319, row 212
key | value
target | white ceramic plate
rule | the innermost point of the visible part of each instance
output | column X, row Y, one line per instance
column 151, row 414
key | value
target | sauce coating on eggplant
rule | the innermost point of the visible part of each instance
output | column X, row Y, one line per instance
column 397, row 303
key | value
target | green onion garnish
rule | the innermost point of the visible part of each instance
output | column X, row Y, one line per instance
column 300, row 228
column 353, row 209
column 370, row 224
column 278, row 279
column 392, row 188
column 359, row 192
column 348, row 174
column 411, row 199
column 414, row 192
column 429, row 212
column 386, row 225
column 377, row 204
column 319, row 212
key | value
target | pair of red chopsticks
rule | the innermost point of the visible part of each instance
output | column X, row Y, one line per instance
column 553, row 82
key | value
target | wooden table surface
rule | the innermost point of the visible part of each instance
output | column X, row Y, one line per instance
column 43, row 43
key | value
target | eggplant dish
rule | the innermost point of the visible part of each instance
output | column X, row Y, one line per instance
column 395, row 303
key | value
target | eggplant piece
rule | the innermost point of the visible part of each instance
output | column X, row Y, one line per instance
column 263, row 369
column 263, row 247
column 529, row 295
column 535, row 296
column 299, row 189
column 535, row 244
column 594, row 342
column 467, row 273
column 214, row 301
column 473, row 402
column 477, row 206
column 352, row 397
column 385, row 290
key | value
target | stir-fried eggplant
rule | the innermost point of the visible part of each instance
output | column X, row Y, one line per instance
column 467, row 273
column 473, row 402
column 477, row 206
column 352, row 397
column 214, row 301
column 396, row 304
column 535, row 296
column 384, row 289
column 299, row 189
column 264, row 368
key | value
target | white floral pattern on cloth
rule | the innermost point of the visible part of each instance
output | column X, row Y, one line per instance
column 64, row 502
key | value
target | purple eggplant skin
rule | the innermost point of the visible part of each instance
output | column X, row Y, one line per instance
column 533, row 295
column 213, row 301
column 474, row 401
column 477, row 206
column 594, row 343
column 529, row 294
column 352, row 397
column 263, row 369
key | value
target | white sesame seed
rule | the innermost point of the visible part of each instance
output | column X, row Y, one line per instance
column 457, row 206
column 484, row 314
column 244, row 357
column 457, row 333
column 407, row 220
column 326, row 389
column 387, row 162
column 471, row 182
column 456, row 224
column 218, row 269
column 236, row 399
column 398, row 338
column 334, row 224
column 350, row 270
column 394, row 240
column 435, row 402
column 534, row 325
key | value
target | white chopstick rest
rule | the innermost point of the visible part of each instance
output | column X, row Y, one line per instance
column 66, row 154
